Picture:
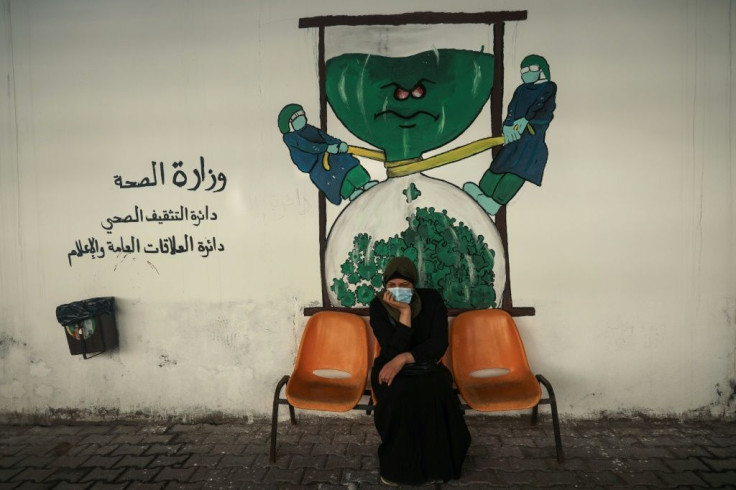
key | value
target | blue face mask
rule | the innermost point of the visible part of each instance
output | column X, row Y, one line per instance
column 402, row 295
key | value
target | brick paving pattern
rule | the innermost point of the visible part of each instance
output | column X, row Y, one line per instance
column 330, row 452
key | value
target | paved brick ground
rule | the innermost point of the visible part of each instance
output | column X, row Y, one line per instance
column 340, row 453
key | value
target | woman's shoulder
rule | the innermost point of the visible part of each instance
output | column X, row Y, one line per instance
column 376, row 301
column 430, row 295
column 376, row 305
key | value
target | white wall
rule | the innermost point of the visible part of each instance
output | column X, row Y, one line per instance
column 627, row 250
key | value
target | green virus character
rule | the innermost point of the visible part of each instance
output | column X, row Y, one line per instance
column 409, row 105
column 411, row 193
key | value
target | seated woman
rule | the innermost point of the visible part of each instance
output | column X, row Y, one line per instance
column 423, row 433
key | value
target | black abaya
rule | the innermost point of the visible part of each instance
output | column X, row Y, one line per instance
column 422, row 429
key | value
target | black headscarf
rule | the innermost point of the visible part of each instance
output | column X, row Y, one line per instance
column 403, row 268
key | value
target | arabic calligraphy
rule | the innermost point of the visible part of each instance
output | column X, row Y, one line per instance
column 169, row 245
column 137, row 241
column 179, row 178
column 182, row 214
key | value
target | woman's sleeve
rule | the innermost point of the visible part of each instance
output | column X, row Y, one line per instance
column 435, row 346
column 393, row 340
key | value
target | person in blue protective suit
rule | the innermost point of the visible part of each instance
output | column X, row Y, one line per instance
column 335, row 172
column 524, row 154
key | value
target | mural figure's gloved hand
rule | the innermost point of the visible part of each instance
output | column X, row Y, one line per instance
column 520, row 125
column 332, row 149
column 343, row 147
column 510, row 135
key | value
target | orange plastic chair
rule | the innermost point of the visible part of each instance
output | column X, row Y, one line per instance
column 331, row 368
column 491, row 370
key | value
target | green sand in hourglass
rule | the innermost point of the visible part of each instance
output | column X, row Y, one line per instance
column 407, row 106
column 442, row 244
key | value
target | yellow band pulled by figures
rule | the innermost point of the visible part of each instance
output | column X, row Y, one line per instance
column 450, row 156
column 401, row 168
column 367, row 153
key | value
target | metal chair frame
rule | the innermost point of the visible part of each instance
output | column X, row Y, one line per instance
column 551, row 400
column 277, row 400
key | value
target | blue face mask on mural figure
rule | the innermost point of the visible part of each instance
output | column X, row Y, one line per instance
column 402, row 295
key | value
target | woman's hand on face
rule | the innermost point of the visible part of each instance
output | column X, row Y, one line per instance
column 393, row 367
column 389, row 298
column 404, row 308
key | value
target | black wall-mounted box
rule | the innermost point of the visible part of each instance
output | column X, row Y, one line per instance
column 89, row 325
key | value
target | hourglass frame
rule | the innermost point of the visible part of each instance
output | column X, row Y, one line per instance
column 497, row 20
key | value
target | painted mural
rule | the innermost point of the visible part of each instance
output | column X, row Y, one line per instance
column 399, row 108
column 524, row 153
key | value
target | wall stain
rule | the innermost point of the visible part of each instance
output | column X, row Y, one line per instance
column 71, row 416
column 731, row 402
column 166, row 361
column 125, row 256
column 153, row 267
column 39, row 368
column 7, row 342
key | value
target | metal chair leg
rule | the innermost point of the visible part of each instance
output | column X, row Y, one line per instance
column 555, row 417
column 292, row 415
column 535, row 413
column 369, row 411
column 275, row 417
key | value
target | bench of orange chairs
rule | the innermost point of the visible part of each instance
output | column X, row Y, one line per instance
column 333, row 364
